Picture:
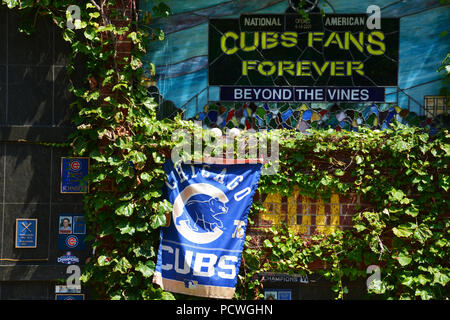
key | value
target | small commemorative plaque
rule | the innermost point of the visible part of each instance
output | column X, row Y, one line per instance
column 26, row 233
column 69, row 296
column 68, row 258
column 71, row 232
column 73, row 173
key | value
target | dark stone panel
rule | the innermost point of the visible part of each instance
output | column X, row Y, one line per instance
column 3, row 32
column 53, row 134
column 30, row 95
column 3, row 89
column 16, row 290
column 57, row 196
column 32, row 272
column 34, row 289
column 27, row 173
column 34, row 49
column 62, row 48
column 357, row 289
column 319, row 288
column 2, row 177
column 35, row 211
column 62, row 98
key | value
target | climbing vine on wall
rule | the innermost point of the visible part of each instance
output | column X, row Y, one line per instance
column 403, row 172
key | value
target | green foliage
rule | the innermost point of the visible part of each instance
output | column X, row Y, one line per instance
column 402, row 173
column 445, row 67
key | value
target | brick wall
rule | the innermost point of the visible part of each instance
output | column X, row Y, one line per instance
column 306, row 215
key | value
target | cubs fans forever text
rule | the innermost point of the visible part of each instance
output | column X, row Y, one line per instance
column 200, row 249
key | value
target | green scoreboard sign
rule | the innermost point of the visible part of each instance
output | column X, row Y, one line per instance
column 288, row 50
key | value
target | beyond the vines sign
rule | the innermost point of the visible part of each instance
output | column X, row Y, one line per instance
column 288, row 58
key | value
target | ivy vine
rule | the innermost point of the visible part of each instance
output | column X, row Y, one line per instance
column 402, row 173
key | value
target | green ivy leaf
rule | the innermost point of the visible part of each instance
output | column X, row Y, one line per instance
column 444, row 182
column 167, row 296
column 441, row 278
column 402, row 233
column 103, row 261
column 145, row 250
column 399, row 195
column 125, row 209
column 422, row 233
column 158, row 220
column 146, row 177
column 164, row 207
column 126, row 228
column 403, row 258
column 412, row 211
column 147, row 269
column 425, row 294
column 12, row 3
column 122, row 266
column 137, row 157
column 359, row 159
column 268, row 244
column 407, row 281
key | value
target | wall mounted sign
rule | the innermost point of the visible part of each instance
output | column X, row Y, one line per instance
column 68, row 258
column 334, row 50
column 283, row 277
column 26, row 233
column 69, row 296
column 277, row 294
column 67, row 289
column 71, row 232
column 303, row 94
column 73, row 172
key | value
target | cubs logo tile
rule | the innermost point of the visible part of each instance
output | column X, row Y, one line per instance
column 71, row 231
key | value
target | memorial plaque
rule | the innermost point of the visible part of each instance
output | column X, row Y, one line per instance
column 69, row 296
column 73, row 173
column 71, row 232
column 26, row 233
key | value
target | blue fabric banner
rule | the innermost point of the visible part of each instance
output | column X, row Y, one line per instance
column 200, row 250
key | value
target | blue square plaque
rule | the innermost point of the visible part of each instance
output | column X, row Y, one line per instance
column 71, row 232
column 26, row 233
column 73, row 172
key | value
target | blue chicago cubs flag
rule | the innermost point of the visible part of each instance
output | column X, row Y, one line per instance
column 200, row 250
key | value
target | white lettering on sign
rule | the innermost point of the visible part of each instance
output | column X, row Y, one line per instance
column 220, row 178
column 201, row 264
column 262, row 22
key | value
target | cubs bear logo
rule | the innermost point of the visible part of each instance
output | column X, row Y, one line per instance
column 203, row 214
column 197, row 210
